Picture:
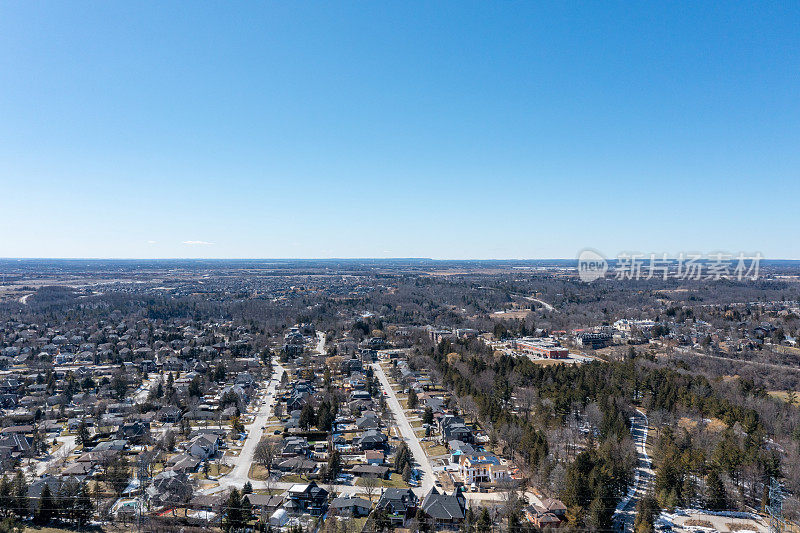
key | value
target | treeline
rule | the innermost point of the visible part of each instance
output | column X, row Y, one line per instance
column 71, row 504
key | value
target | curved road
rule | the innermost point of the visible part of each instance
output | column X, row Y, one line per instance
column 537, row 300
column 626, row 509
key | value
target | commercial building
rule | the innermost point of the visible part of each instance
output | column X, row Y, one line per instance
column 540, row 348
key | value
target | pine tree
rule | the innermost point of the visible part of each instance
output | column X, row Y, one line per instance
column 484, row 523
column 716, row 499
column 20, row 495
column 427, row 417
column 83, row 433
column 334, row 464
column 413, row 400
column 307, row 416
column 6, row 496
column 233, row 512
column 407, row 472
column 83, row 508
column 47, row 505
column 646, row 513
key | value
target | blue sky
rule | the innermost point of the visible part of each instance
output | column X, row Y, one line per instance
column 405, row 129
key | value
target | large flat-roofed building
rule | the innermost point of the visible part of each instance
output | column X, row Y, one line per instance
column 593, row 339
column 540, row 348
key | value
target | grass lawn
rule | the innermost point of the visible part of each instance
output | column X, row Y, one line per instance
column 294, row 478
column 270, row 492
column 396, row 481
column 214, row 470
column 433, row 449
column 258, row 472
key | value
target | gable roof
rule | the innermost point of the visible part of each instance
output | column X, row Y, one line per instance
column 444, row 506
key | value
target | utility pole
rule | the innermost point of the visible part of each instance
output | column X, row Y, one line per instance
column 775, row 508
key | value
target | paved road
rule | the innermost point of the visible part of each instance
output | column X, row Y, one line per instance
column 776, row 366
column 407, row 432
column 537, row 300
column 68, row 445
column 141, row 394
column 241, row 464
column 626, row 509
column 320, row 342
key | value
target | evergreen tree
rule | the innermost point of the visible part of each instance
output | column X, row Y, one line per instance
column 406, row 472
column 307, row 416
column 334, row 466
column 716, row 498
column 83, row 508
column 427, row 417
column 413, row 400
column 232, row 520
column 6, row 496
column 646, row 512
column 20, row 495
column 83, row 433
column 484, row 523
column 47, row 506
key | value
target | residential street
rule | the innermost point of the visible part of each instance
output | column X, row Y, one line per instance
column 241, row 464
column 68, row 444
column 428, row 479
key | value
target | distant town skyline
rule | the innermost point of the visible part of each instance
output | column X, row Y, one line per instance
column 369, row 130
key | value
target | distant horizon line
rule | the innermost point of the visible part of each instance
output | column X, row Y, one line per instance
column 610, row 259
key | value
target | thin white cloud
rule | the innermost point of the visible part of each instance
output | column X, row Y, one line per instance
column 198, row 243
column 151, row 242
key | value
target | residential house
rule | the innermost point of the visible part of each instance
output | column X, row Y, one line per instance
column 444, row 510
column 306, row 498
column 482, row 468
column 350, row 506
column 374, row 457
column 264, row 505
column 298, row 464
column 551, row 514
column 400, row 504
column 294, row 446
column 369, row 421
column 204, row 446
column 169, row 488
column 371, row 440
column 453, row 428
column 371, row 471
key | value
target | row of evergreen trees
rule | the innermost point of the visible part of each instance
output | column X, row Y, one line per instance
column 72, row 503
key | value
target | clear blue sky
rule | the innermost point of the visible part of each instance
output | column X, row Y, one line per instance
column 405, row 129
